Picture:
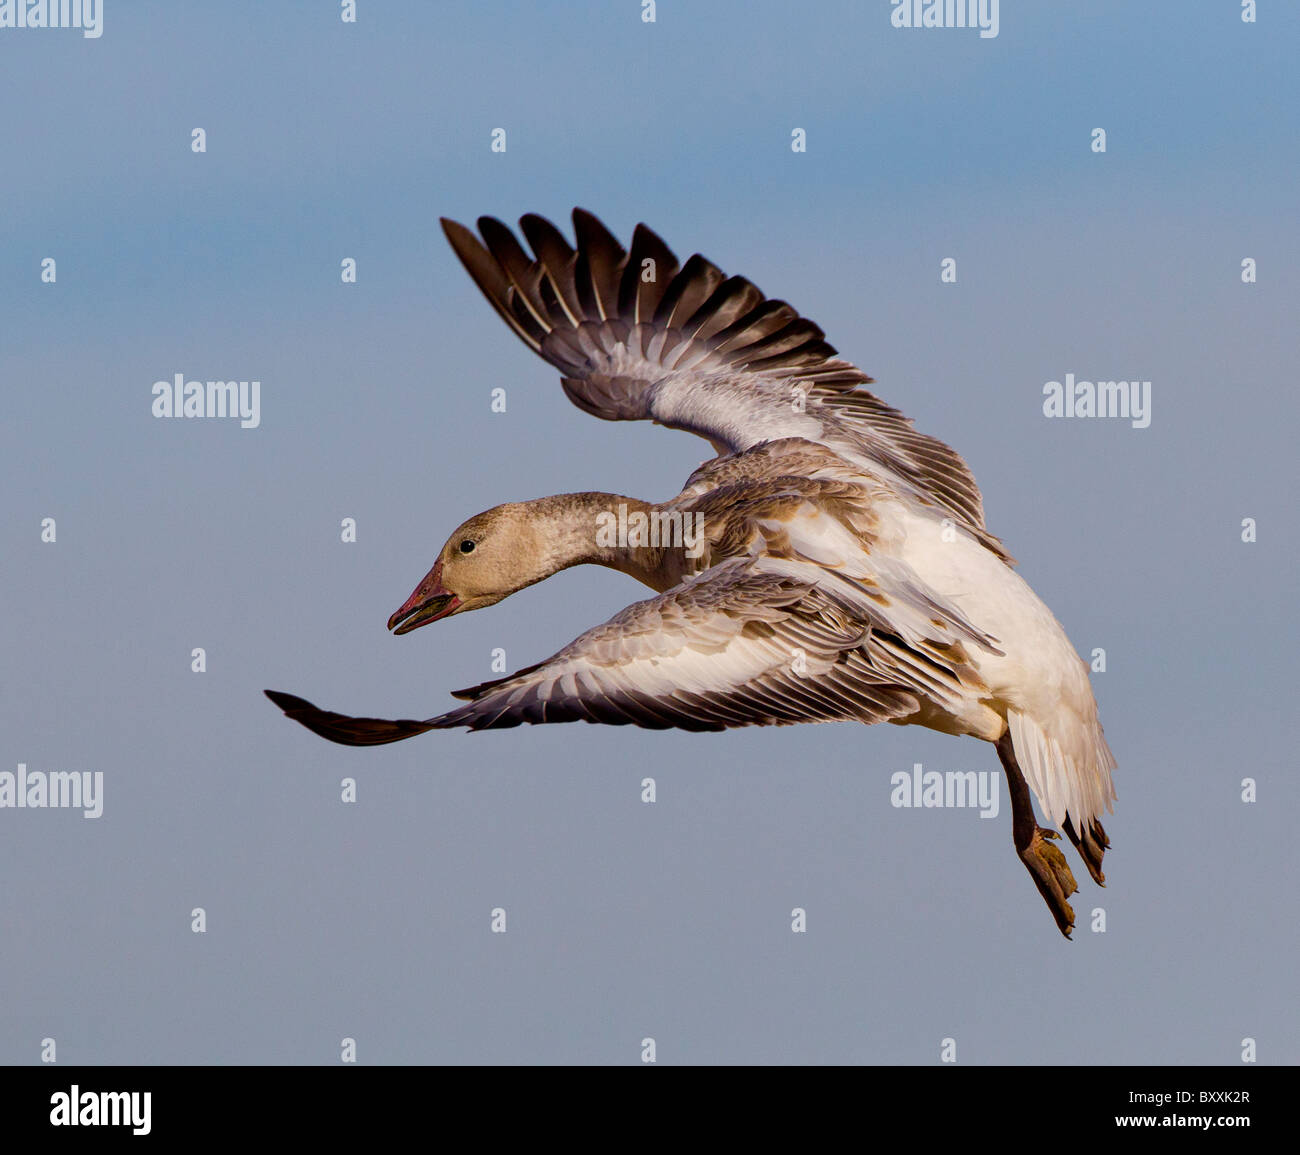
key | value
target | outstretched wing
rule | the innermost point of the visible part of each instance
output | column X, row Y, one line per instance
column 638, row 336
column 747, row 643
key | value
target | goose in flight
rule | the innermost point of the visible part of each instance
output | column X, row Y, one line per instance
column 829, row 564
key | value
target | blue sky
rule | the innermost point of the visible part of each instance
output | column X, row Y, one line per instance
column 627, row 920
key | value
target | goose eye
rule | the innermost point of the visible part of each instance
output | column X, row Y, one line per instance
column 466, row 546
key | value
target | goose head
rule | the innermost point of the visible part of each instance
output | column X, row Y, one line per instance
column 489, row 557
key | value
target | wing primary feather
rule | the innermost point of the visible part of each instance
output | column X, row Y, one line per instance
column 636, row 335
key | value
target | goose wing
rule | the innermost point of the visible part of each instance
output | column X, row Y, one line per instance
column 750, row 642
column 636, row 335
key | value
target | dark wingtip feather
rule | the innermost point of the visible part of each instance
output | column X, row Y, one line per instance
column 287, row 702
column 585, row 221
column 343, row 728
column 493, row 279
column 639, row 298
column 557, row 258
column 601, row 260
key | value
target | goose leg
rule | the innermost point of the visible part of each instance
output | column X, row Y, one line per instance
column 1045, row 862
column 1091, row 847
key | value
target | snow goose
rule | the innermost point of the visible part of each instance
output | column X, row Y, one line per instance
column 831, row 563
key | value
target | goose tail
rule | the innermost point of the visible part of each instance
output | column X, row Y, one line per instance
column 1069, row 768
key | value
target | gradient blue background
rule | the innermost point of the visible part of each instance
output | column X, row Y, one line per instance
column 627, row 920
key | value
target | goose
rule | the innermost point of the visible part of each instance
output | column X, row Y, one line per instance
column 830, row 563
